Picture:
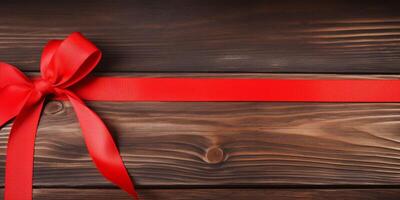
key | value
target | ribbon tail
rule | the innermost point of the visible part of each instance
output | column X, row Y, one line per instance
column 20, row 150
column 101, row 146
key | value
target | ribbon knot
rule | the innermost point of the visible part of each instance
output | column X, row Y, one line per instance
column 44, row 87
column 23, row 99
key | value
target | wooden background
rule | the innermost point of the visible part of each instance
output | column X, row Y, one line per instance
column 208, row 150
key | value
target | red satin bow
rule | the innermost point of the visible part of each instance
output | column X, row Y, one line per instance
column 63, row 64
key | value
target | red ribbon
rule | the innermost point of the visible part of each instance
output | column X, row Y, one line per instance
column 65, row 63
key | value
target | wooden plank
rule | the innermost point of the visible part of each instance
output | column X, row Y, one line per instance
column 200, row 36
column 227, row 143
column 211, row 194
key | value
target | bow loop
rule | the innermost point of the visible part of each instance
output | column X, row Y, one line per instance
column 66, row 62
column 10, row 75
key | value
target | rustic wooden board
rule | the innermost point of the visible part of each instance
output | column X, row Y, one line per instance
column 212, row 194
column 227, row 144
column 197, row 35
column 186, row 149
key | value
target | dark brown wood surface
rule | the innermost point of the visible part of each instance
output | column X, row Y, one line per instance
column 260, row 143
column 352, row 36
column 213, row 194
column 225, row 150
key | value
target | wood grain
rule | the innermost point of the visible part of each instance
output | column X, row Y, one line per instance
column 226, row 144
column 212, row 194
column 335, row 36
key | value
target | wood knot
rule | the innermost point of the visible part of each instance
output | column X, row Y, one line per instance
column 53, row 107
column 214, row 155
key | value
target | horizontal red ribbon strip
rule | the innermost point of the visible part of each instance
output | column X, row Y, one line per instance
column 228, row 89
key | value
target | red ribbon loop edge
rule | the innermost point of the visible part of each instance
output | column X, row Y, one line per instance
column 63, row 64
